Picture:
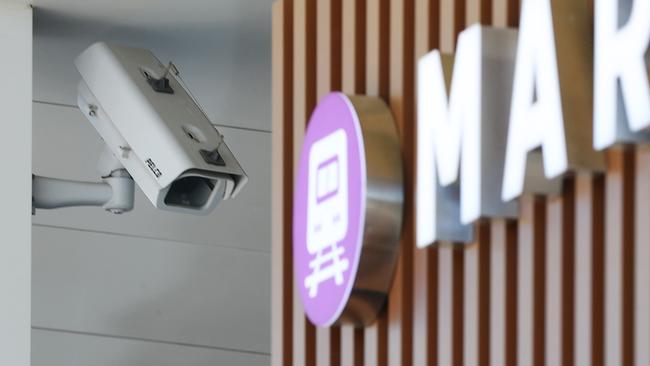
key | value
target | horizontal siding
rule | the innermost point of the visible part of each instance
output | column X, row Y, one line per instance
column 150, row 289
column 134, row 289
column 67, row 146
column 226, row 67
column 68, row 349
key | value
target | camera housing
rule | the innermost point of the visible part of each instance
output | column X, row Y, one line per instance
column 156, row 130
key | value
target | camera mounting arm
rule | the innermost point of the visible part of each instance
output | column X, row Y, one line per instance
column 114, row 194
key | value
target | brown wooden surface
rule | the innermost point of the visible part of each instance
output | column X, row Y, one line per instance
column 642, row 257
column 401, row 102
column 304, row 81
column 353, row 77
column 619, row 261
column 566, row 283
column 425, row 261
column 503, row 293
column 328, row 78
column 377, row 82
column 282, row 157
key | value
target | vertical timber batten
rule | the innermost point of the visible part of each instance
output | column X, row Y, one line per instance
column 565, row 282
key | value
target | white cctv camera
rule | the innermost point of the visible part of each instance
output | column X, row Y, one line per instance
column 154, row 130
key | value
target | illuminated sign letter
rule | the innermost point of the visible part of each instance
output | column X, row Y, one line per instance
column 465, row 121
column 621, row 59
column 551, row 99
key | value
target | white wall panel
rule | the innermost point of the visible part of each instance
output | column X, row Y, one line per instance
column 150, row 289
column 67, row 146
column 15, row 185
column 65, row 349
column 227, row 68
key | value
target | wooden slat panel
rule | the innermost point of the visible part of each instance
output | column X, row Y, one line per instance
column 425, row 269
column 472, row 12
column 583, row 270
column 425, row 310
column 470, row 310
column 450, row 303
column 478, row 11
column 376, row 342
column 401, row 90
column 354, row 46
column 304, row 66
column 559, row 260
column 527, row 269
column 304, row 62
column 450, row 256
column 377, row 82
column 353, row 73
column 304, row 335
column 642, row 258
column 449, row 33
column 324, row 77
column 512, row 266
column 598, row 269
column 568, row 271
column 500, row 13
column 530, row 281
column 377, row 47
column 328, row 78
column 350, row 348
column 588, row 277
column 445, row 304
column 613, row 256
column 323, row 345
column 427, row 26
column 352, row 343
column 328, row 346
column 484, row 294
column 328, row 50
column 282, row 187
column 513, row 13
column 324, row 47
column 447, row 36
column 539, row 278
column 553, row 285
column 476, row 320
column 503, row 295
column 619, row 222
column 458, row 301
column 503, row 250
column 476, row 305
column 498, row 292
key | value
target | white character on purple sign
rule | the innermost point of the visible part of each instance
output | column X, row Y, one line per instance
column 327, row 210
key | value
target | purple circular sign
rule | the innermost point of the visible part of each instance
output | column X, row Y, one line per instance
column 329, row 209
